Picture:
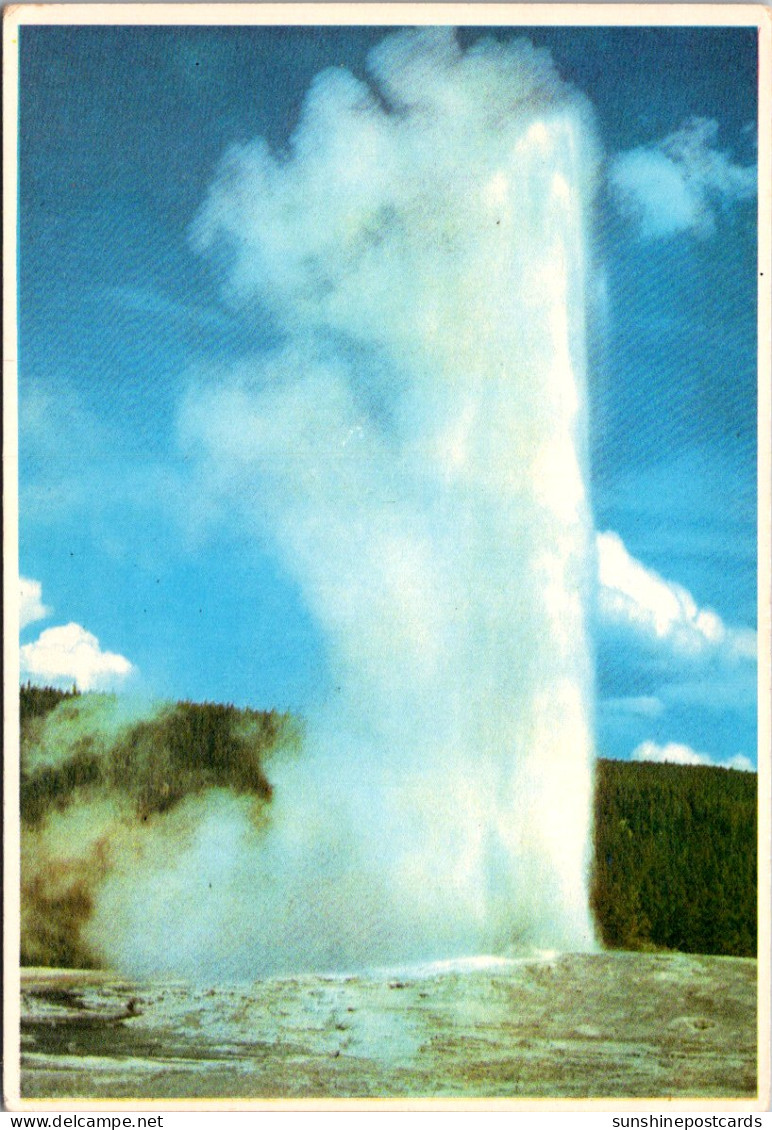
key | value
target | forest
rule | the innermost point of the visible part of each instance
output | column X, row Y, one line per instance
column 182, row 748
column 675, row 846
column 675, row 857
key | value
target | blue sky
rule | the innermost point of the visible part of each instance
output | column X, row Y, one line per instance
column 147, row 585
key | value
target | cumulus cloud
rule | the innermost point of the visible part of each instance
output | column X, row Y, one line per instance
column 31, row 607
column 679, row 183
column 639, row 601
column 676, row 754
column 69, row 654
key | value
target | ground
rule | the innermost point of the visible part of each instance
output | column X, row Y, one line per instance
column 572, row 1026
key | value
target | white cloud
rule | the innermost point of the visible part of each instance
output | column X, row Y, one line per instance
column 637, row 599
column 676, row 754
column 741, row 762
column 680, row 182
column 69, row 654
column 31, row 605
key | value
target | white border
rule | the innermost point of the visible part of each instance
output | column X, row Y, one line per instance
column 394, row 14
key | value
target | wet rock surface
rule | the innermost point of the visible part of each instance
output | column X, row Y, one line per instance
column 573, row 1026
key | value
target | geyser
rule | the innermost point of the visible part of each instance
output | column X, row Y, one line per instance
column 413, row 451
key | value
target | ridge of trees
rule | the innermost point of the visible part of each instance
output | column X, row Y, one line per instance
column 156, row 761
column 675, row 857
column 675, row 846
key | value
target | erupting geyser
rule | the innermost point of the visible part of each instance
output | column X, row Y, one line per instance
column 414, row 453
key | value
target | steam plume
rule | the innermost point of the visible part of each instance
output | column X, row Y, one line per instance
column 415, row 453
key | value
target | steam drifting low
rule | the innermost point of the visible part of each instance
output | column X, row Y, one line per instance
column 414, row 453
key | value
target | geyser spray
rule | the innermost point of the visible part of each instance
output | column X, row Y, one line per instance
column 413, row 451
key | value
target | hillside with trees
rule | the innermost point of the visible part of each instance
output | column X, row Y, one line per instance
column 157, row 760
column 675, row 846
column 675, row 857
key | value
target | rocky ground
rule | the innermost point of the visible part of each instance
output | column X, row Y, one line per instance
column 577, row 1026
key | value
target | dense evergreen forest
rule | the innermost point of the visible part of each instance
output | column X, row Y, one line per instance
column 675, row 846
column 675, row 857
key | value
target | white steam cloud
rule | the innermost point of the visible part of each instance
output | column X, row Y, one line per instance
column 414, row 452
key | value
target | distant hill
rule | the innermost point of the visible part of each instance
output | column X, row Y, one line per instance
column 675, row 846
column 88, row 756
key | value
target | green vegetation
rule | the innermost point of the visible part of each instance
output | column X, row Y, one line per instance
column 182, row 749
column 675, row 857
column 36, row 702
column 675, row 846
column 51, row 921
column 80, row 750
column 192, row 747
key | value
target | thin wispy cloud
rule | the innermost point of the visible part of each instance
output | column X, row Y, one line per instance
column 680, row 183
column 76, row 462
column 664, row 659
column 638, row 706
column 54, row 425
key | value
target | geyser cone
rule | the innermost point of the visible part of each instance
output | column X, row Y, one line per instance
column 414, row 453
